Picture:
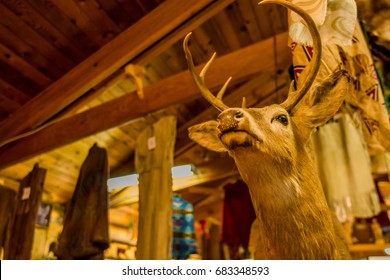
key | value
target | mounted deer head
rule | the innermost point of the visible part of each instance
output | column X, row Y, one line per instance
column 269, row 147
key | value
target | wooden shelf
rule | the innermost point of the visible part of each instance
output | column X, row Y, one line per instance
column 359, row 251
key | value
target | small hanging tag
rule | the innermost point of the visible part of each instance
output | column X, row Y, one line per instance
column 151, row 143
column 26, row 193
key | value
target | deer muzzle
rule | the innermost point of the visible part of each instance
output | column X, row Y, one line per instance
column 234, row 129
column 229, row 120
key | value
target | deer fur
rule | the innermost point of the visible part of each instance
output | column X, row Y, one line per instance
column 270, row 149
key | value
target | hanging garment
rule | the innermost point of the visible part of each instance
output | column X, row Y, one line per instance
column 238, row 215
column 368, row 95
column 7, row 204
column 335, row 21
column 366, row 98
column 85, row 231
column 343, row 165
column 184, row 243
column 154, row 160
column 20, row 233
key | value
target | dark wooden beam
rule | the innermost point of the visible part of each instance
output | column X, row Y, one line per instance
column 242, row 64
column 114, row 55
column 148, row 54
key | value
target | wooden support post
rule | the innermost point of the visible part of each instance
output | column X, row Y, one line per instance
column 20, row 235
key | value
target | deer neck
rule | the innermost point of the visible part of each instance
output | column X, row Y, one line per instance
column 277, row 184
column 290, row 206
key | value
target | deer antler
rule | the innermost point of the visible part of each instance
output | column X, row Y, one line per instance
column 295, row 97
column 216, row 101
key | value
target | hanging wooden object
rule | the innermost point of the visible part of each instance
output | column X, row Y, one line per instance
column 85, row 233
column 7, row 203
column 20, row 235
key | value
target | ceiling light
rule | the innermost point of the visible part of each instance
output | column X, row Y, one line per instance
column 180, row 171
column 122, row 181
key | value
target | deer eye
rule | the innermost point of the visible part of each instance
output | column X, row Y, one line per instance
column 283, row 119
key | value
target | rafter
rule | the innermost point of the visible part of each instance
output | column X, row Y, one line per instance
column 175, row 89
column 114, row 55
column 163, row 44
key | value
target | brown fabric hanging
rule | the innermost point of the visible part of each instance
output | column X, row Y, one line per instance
column 154, row 160
column 20, row 233
column 85, row 232
column 7, row 204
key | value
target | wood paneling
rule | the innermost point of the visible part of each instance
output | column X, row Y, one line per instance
column 12, row 76
column 79, row 25
column 64, row 25
column 178, row 88
column 25, row 68
column 94, row 11
column 12, row 93
column 29, row 14
column 12, row 22
column 117, row 14
column 30, row 54
column 100, row 65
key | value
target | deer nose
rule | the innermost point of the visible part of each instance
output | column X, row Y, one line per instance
column 229, row 119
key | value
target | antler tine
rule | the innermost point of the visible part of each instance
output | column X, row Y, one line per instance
column 295, row 97
column 243, row 103
column 216, row 101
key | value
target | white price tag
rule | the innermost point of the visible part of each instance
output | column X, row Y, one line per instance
column 152, row 143
column 26, row 193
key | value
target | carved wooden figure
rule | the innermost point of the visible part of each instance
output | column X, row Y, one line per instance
column 269, row 146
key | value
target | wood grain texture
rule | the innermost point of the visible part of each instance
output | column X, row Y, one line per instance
column 29, row 13
column 10, row 21
column 178, row 88
column 29, row 54
column 64, row 25
column 12, row 93
column 150, row 64
column 20, row 233
column 100, row 65
column 79, row 25
column 25, row 68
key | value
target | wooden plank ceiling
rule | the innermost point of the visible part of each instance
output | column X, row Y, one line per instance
column 63, row 86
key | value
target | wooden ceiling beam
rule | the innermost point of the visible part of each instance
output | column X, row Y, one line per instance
column 114, row 55
column 244, row 63
column 9, row 183
column 148, row 54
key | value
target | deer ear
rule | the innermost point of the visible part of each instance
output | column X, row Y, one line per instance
column 323, row 101
column 205, row 134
